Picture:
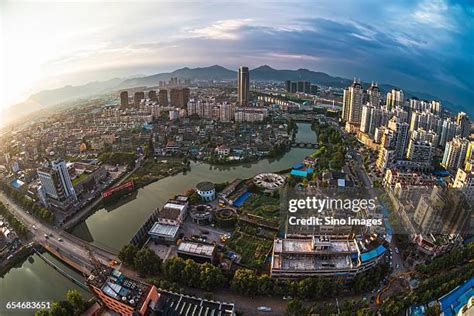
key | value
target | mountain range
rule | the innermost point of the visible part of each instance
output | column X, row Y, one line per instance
column 48, row 98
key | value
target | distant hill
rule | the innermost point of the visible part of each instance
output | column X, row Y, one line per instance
column 53, row 97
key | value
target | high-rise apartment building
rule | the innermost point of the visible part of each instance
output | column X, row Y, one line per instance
column 372, row 118
column 393, row 144
column 179, row 97
column 152, row 95
column 435, row 107
column 163, row 97
column 373, row 94
column 449, row 129
column 464, row 181
column 243, row 89
column 443, row 211
column 56, row 182
column 394, row 98
column 352, row 103
column 61, row 168
column 124, row 99
column 456, row 153
column 137, row 97
column 464, row 124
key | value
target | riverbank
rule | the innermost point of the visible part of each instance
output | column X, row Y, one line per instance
column 114, row 226
column 17, row 260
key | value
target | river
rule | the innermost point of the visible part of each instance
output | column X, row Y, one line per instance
column 114, row 226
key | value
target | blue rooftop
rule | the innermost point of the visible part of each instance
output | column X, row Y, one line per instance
column 299, row 165
column 241, row 199
column 454, row 301
column 366, row 256
column 298, row 173
column 17, row 183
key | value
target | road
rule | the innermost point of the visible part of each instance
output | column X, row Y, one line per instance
column 65, row 244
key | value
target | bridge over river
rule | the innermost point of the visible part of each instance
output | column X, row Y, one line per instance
column 70, row 249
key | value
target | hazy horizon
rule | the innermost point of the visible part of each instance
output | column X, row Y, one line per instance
column 422, row 46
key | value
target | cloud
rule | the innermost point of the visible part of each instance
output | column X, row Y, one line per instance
column 222, row 30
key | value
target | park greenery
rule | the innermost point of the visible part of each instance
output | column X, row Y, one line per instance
column 145, row 261
column 175, row 270
column 152, row 170
column 74, row 305
column 346, row 308
column 118, row 158
column 19, row 228
column 438, row 277
column 332, row 148
column 19, row 196
column 248, row 282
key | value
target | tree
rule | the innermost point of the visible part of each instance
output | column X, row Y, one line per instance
column 147, row 262
column 42, row 312
column 245, row 282
column 173, row 269
column 191, row 273
column 77, row 301
column 127, row 254
column 295, row 308
column 211, row 277
column 62, row 308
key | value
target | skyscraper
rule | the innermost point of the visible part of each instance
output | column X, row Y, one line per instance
column 179, row 97
column 61, row 168
column 373, row 93
column 288, row 86
column 464, row 124
column 393, row 144
column 152, row 95
column 394, row 98
column 449, row 129
column 137, row 97
column 243, row 86
column 124, row 99
column 456, row 153
column 442, row 211
column 352, row 103
column 56, row 182
column 163, row 97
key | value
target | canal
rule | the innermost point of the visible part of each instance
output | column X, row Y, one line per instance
column 114, row 226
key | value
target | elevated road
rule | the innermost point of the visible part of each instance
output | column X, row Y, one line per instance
column 74, row 251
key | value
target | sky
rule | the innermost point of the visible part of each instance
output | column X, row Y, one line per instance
column 419, row 45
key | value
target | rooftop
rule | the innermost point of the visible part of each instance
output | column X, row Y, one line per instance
column 189, row 305
column 196, row 248
column 163, row 230
column 205, row 186
column 116, row 285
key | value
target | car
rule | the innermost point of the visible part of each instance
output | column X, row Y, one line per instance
column 396, row 250
column 46, row 236
column 60, row 239
column 34, row 227
column 264, row 309
column 397, row 266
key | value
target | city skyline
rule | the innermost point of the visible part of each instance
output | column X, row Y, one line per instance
column 429, row 51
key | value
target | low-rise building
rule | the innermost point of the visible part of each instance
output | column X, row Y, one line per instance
column 197, row 251
column 336, row 256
